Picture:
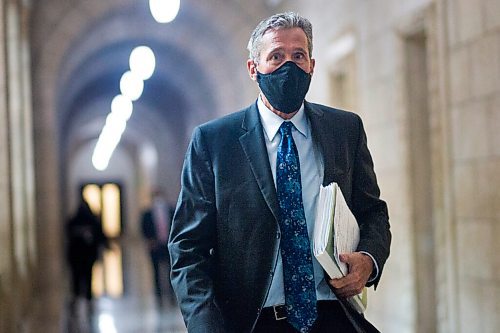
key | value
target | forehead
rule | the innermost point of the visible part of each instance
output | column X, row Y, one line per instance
column 284, row 38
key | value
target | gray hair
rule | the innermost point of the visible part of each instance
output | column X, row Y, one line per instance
column 278, row 21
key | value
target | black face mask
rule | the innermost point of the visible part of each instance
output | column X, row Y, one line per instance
column 286, row 87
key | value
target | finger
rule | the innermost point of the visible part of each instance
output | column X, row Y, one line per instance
column 341, row 282
column 359, row 264
column 353, row 277
column 345, row 257
column 352, row 259
column 347, row 293
column 348, row 281
column 347, row 286
column 337, row 283
column 349, row 290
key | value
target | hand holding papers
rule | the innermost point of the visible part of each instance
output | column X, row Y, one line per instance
column 335, row 232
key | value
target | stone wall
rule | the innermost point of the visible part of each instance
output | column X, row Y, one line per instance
column 436, row 151
column 474, row 67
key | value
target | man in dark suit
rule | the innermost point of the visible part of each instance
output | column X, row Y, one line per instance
column 155, row 225
column 240, row 241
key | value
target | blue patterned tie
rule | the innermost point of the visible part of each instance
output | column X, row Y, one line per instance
column 298, row 274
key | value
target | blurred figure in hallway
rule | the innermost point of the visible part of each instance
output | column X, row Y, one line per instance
column 85, row 240
column 156, row 223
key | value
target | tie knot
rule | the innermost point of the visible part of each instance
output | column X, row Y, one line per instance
column 286, row 128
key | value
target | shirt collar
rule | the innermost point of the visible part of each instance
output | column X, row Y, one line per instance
column 272, row 122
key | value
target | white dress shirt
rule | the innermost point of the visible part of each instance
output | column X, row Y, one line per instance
column 311, row 173
column 312, row 177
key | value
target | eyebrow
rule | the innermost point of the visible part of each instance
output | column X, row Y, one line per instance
column 280, row 48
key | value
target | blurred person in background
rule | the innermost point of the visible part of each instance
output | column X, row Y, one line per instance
column 85, row 240
column 155, row 224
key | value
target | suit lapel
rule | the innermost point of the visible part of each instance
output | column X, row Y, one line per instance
column 322, row 134
column 254, row 146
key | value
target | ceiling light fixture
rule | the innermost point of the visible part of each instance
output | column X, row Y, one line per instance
column 142, row 62
column 131, row 85
column 164, row 11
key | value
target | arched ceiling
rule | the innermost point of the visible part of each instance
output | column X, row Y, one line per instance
column 80, row 50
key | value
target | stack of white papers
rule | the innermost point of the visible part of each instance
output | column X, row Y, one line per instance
column 336, row 232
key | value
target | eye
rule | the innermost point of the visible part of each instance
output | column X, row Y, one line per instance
column 275, row 57
column 299, row 56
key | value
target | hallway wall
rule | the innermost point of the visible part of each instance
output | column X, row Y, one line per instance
column 457, row 240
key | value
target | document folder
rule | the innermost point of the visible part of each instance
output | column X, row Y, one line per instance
column 335, row 232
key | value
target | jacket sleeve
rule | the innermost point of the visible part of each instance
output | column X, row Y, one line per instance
column 370, row 211
column 192, row 240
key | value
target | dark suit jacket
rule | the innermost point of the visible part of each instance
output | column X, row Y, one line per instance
column 223, row 242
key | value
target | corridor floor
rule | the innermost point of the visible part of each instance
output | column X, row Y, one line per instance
column 133, row 312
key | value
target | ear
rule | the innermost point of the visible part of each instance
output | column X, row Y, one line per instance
column 252, row 69
column 311, row 68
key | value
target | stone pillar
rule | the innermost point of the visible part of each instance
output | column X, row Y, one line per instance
column 50, row 286
column 5, row 214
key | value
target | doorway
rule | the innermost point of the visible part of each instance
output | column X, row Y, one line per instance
column 105, row 200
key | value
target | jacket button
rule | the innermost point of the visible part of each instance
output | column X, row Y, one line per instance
column 278, row 235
